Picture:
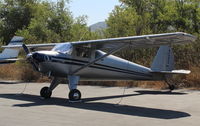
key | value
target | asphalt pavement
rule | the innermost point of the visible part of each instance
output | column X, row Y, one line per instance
column 100, row 106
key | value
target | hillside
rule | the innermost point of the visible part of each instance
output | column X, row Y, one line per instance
column 98, row 26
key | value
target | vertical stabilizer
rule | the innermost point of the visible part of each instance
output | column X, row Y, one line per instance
column 164, row 60
column 12, row 53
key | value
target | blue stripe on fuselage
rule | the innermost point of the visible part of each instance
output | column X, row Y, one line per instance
column 98, row 66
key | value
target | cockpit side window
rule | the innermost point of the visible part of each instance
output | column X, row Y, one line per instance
column 65, row 48
column 83, row 52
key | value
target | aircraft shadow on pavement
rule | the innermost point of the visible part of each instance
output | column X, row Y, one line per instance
column 159, row 92
column 87, row 104
column 11, row 82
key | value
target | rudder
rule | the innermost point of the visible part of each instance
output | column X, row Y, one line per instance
column 164, row 59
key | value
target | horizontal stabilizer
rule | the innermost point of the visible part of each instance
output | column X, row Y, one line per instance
column 7, row 61
column 173, row 72
column 14, row 59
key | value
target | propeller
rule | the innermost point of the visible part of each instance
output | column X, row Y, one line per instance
column 26, row 50
column 29, row 57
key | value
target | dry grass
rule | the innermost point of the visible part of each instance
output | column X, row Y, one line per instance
column 23, row 71
column 18, row 71
column 143, row 84
column 10, row 72
column 193, row 79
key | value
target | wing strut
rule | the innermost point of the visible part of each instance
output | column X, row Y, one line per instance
column 97, row 59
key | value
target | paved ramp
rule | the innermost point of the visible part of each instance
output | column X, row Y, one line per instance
column 98, row 107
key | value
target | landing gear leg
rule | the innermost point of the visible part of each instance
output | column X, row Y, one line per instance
column 74, row 94
column 46, row 92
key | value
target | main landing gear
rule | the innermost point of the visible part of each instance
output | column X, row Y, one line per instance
column 45, row 92
column 74, row 94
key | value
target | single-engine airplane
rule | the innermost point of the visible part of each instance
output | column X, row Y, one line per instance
column 85, row 60
column 10, row 55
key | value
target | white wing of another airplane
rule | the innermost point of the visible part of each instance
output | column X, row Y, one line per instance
column 135, row 41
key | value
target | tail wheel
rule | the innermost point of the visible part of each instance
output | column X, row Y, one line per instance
column 45, row 92
column 170, row 82
column 74, row 95
column 171, row 87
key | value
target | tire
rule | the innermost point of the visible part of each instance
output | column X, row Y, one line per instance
column 45, row 93
column 74, row 95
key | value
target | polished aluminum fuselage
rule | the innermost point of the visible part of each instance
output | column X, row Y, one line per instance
column 108, row 69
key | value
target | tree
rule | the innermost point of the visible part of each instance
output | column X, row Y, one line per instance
column 41, row 21
column 14, row 15
column 136, row 17
column 122, row 22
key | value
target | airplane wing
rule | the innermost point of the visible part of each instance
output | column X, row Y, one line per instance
column 134, row 41
column 140, row 41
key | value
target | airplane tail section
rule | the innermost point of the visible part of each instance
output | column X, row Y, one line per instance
column 163, row 62
column 9, row 54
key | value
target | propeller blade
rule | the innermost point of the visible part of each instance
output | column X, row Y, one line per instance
column 29, row 57
column 25, row 49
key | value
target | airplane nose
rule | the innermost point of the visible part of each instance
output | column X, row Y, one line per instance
column 29, row 56
column 38, row 57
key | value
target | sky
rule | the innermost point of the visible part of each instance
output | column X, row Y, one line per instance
column 96, row 10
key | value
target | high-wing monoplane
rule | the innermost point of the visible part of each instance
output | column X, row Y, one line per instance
column 87, row 61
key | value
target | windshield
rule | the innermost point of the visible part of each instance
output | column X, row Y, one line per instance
column 65, row 48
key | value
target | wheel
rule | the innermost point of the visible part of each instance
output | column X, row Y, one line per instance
column 45, row 92
column 74, row 95
column 171, row 87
